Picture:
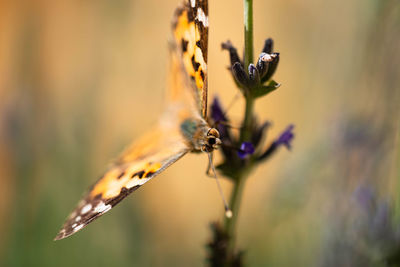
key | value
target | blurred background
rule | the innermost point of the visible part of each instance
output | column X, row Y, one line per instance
column 80, row 79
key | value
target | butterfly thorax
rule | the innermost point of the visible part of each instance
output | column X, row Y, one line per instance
column 200, row 135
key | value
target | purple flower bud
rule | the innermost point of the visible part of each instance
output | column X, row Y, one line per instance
column 286, row 137
column 246, row 148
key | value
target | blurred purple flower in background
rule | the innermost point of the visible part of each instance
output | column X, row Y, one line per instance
column 217, row 113
column 286, row 137
column 220, row 120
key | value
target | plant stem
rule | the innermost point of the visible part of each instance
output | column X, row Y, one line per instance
column 230, row 223
column 248, row 32
column 245, row 133
column 248, row 58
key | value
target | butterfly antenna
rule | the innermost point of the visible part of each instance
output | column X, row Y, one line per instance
column 228, row 211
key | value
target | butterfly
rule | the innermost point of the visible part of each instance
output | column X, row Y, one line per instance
column 182, row 128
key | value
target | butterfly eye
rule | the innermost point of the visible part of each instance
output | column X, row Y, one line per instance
column 212, row 141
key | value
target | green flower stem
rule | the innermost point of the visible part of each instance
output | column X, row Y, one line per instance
column 245, row 133
column 248, row 58
column 248, row 32
column 397, row 144
column 234, row 204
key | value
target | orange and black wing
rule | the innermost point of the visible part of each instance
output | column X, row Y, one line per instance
column 165, row 144
column 190, row 33
column 140, row 163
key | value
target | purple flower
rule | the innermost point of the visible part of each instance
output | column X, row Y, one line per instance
column 220, row 121
column 216, row 111
column 246, row 148
column 286, row 137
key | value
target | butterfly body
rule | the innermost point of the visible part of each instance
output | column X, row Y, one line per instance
column 202, row 137
column 182, row 128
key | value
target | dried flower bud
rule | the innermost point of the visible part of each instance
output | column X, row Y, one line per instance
column 268, row 46
column 254, row 76
column 240, row 75
column 233, row 54
column 272, row 65
column 263, row 63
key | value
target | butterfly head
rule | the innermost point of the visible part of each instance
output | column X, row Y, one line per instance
column 212, row 140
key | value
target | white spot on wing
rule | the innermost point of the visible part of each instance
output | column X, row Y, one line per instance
column 136, row 181
column 101, row 208
column 74, row 225
column 132, row 183
column 202, row 17
column 78, row 218
column 86, row 208
column 192, row 3
column 77, row 228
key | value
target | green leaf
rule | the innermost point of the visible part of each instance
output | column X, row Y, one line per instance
column 263, row 90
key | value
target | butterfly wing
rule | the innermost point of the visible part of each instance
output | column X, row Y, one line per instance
column 166, row 143
column 140, row 163
column 190, row 30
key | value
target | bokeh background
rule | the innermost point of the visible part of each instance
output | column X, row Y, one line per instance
column 80, row 79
